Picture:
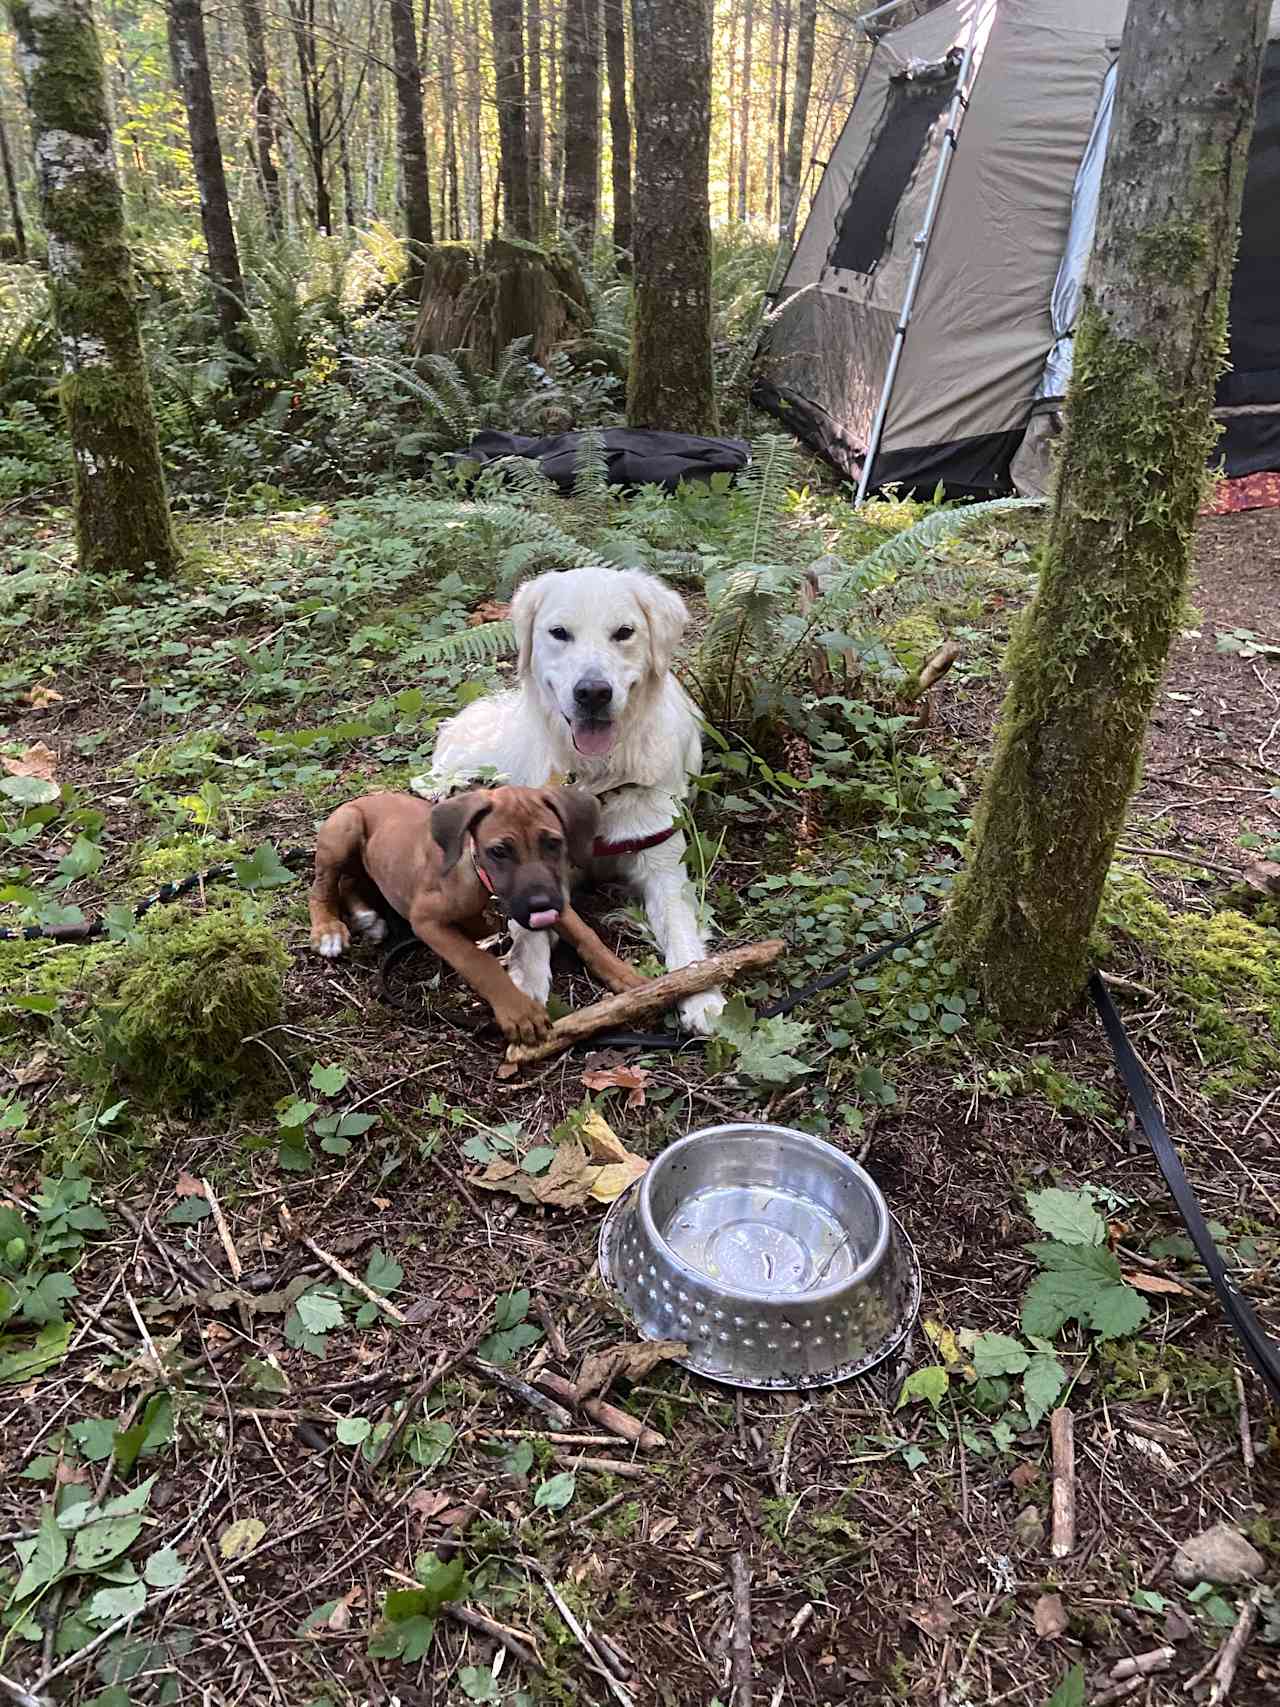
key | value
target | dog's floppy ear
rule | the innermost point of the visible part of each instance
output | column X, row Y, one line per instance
column 524, row 613
column 452, row 819
column 579, row 812
column 666, row 615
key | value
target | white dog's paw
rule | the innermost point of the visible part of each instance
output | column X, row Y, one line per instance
column 330, row 943
column 698, row 1014
column 372, row 926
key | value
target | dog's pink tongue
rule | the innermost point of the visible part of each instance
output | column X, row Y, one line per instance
column 542, row 921
column 593, row 739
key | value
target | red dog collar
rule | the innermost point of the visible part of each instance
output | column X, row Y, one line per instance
column 634, row 844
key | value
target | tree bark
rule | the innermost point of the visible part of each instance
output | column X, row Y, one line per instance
column 264, row 113
column 190, row 56
column 513, row 145
column 449, row 103
column 411, row 136
column 782, row 9
column 580, row 104
column 11, row 190
column 793, row 161
column 1087, row 662
column 302, row 17
column 744, row 143
column 122, row 512
column 537, row 133
column 615, row 48
column 671, row 380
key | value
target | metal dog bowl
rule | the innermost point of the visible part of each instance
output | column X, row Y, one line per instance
column 769, row 1252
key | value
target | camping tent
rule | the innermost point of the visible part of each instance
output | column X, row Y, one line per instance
column 926, row 314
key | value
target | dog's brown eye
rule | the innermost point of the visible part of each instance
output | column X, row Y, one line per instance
column 623, row 633
column 498, row 851
column 552, row 844
column 560, row 634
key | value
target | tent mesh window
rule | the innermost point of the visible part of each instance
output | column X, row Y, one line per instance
column 912, row 108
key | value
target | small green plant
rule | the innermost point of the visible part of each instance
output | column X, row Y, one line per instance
column 512, row 1331
column 409, row 1615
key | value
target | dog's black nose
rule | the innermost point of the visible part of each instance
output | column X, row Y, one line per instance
column 592, row 696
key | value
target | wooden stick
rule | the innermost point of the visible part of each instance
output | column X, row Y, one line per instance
column 601, row 1411
column 515, row 1642
column 607, row 1466
column 652, row 998
column 1224, row 1673
column 1142, row 1665
column 224, row 1232
column 1062, row 1434
column 557, row 1415
column 240, row 1620
column 343, row 1273
column 933, row 670
column 1246, row 1425
column 742, row 1659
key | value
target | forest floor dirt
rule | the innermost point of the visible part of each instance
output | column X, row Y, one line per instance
column 894, row 1551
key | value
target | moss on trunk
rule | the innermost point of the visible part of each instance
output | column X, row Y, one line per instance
column 122, row 511
column 672, row 383
column 1088, row 659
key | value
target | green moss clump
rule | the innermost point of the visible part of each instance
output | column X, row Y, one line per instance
column 182, row 1003
column 177, row 859
column 913, row 640
column 1222, row 973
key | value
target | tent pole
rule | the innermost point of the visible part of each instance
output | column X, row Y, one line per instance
column 921, row 242
column 865, row 18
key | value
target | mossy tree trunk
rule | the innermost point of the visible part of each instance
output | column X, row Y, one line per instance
column 580, row 101
column 536, row 130
column 122, row 512
column 189, row 53
column 1087, row 661
column 615, row 52
column 264, row 113
column 11, row 190
column 671, row 381
column 411, row 135
column 513, row 142
column 793, row 159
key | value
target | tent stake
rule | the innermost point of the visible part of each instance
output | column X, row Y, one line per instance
column 959, row 103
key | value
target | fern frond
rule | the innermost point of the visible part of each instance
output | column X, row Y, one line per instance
column 483, row 644
column 590, row 497
column 511, row 372
column 461, row 413
column 766, row 480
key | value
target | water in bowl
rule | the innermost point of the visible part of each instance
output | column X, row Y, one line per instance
column 761, row 1239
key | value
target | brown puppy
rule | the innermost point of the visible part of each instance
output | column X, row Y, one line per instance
column 440, row 866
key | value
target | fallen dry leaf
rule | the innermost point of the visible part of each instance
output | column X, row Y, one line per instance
column 630, row 1079
column 662, row 1528
column 1263, row 875
column 340, row 1617
column 600, row 1369
column 1022, row 1475
column 935, row 1617
column 949, row 1350
column 38, row 1070
column 37, row 760
column 1157, row 1283
column 1050, row 1616
column 241, row 1537
column 426, row 1503
column 41, row 697
column 576, row 1177
column 188, row 1186
column 492, row 610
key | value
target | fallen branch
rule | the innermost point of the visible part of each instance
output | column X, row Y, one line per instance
column 1224, row 1673
column 515, row 1642
column 556, row 1414
column 652, row 998
column 224, row 1232
column 1142, row 1665
column 601, row 1411
column 1062, row 1435
column 932, row 671
column 742, row 1661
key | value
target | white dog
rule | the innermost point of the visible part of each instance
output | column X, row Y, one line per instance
column 596, row 701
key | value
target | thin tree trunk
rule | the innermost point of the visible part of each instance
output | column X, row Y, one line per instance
column 513, row 143
column 1088, row 660
column 784, row 68
column 581, row 106
column 190, row 55
column 122, row 512
column 770, row 174
column 536, row 123
column 264, row 119
column 11, row 190
column 793, row 161
column 373, row 133
column 615, row 47
column 302, row 15
column 744, row 140
column 555, row 73
column 449, row 104
column 475, row 98
column 671, row 379
column 411, row 135
column 342, row 114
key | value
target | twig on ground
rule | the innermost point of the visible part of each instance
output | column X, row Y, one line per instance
column 1142, row 1665
column 607, row 1466
column 1062, row 1434
column 608, row 1416
column 1261, row 1109
column 1117, row 1692
column 444, row 1365
column 224, row 1232
column 583, row 1633
column 242, row 1623
column 648, row 999
column 1181, row 859
column 343, row 1273
column 17, row 1693
column 1224, row 1672
column 559, row 1417
column 742, row 1659
column 510, row 1639
column 1246, row 1424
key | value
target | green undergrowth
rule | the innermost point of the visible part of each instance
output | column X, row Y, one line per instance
column 179, row 1003
column 1220, row 974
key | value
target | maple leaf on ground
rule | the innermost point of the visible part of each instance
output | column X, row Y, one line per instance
column 38, row 760
column 630, row 1079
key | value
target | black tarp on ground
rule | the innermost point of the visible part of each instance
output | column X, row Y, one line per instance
column 632, row 456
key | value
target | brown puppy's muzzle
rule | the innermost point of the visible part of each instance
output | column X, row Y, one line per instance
column 536, row 898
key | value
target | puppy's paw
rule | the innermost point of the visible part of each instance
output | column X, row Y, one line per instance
column 627, row 979
column 331, row 940
column 372, row 926
column 523, row 1021
column 698, row 1014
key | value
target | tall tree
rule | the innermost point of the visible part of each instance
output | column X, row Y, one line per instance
column 615, row 51
column 1088, row 659
column 311, row 75
column 671, row 380
column 122, row 512
column 264, row 113
column 793, row 160
column 411, row 135
column 580, row 108
column 782, row 19
column 537, row 133
column 190, row 56
column 11, row 190
column 744, row 146
column 513, row 141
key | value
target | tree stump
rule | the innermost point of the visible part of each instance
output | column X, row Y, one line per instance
column 478, row 301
